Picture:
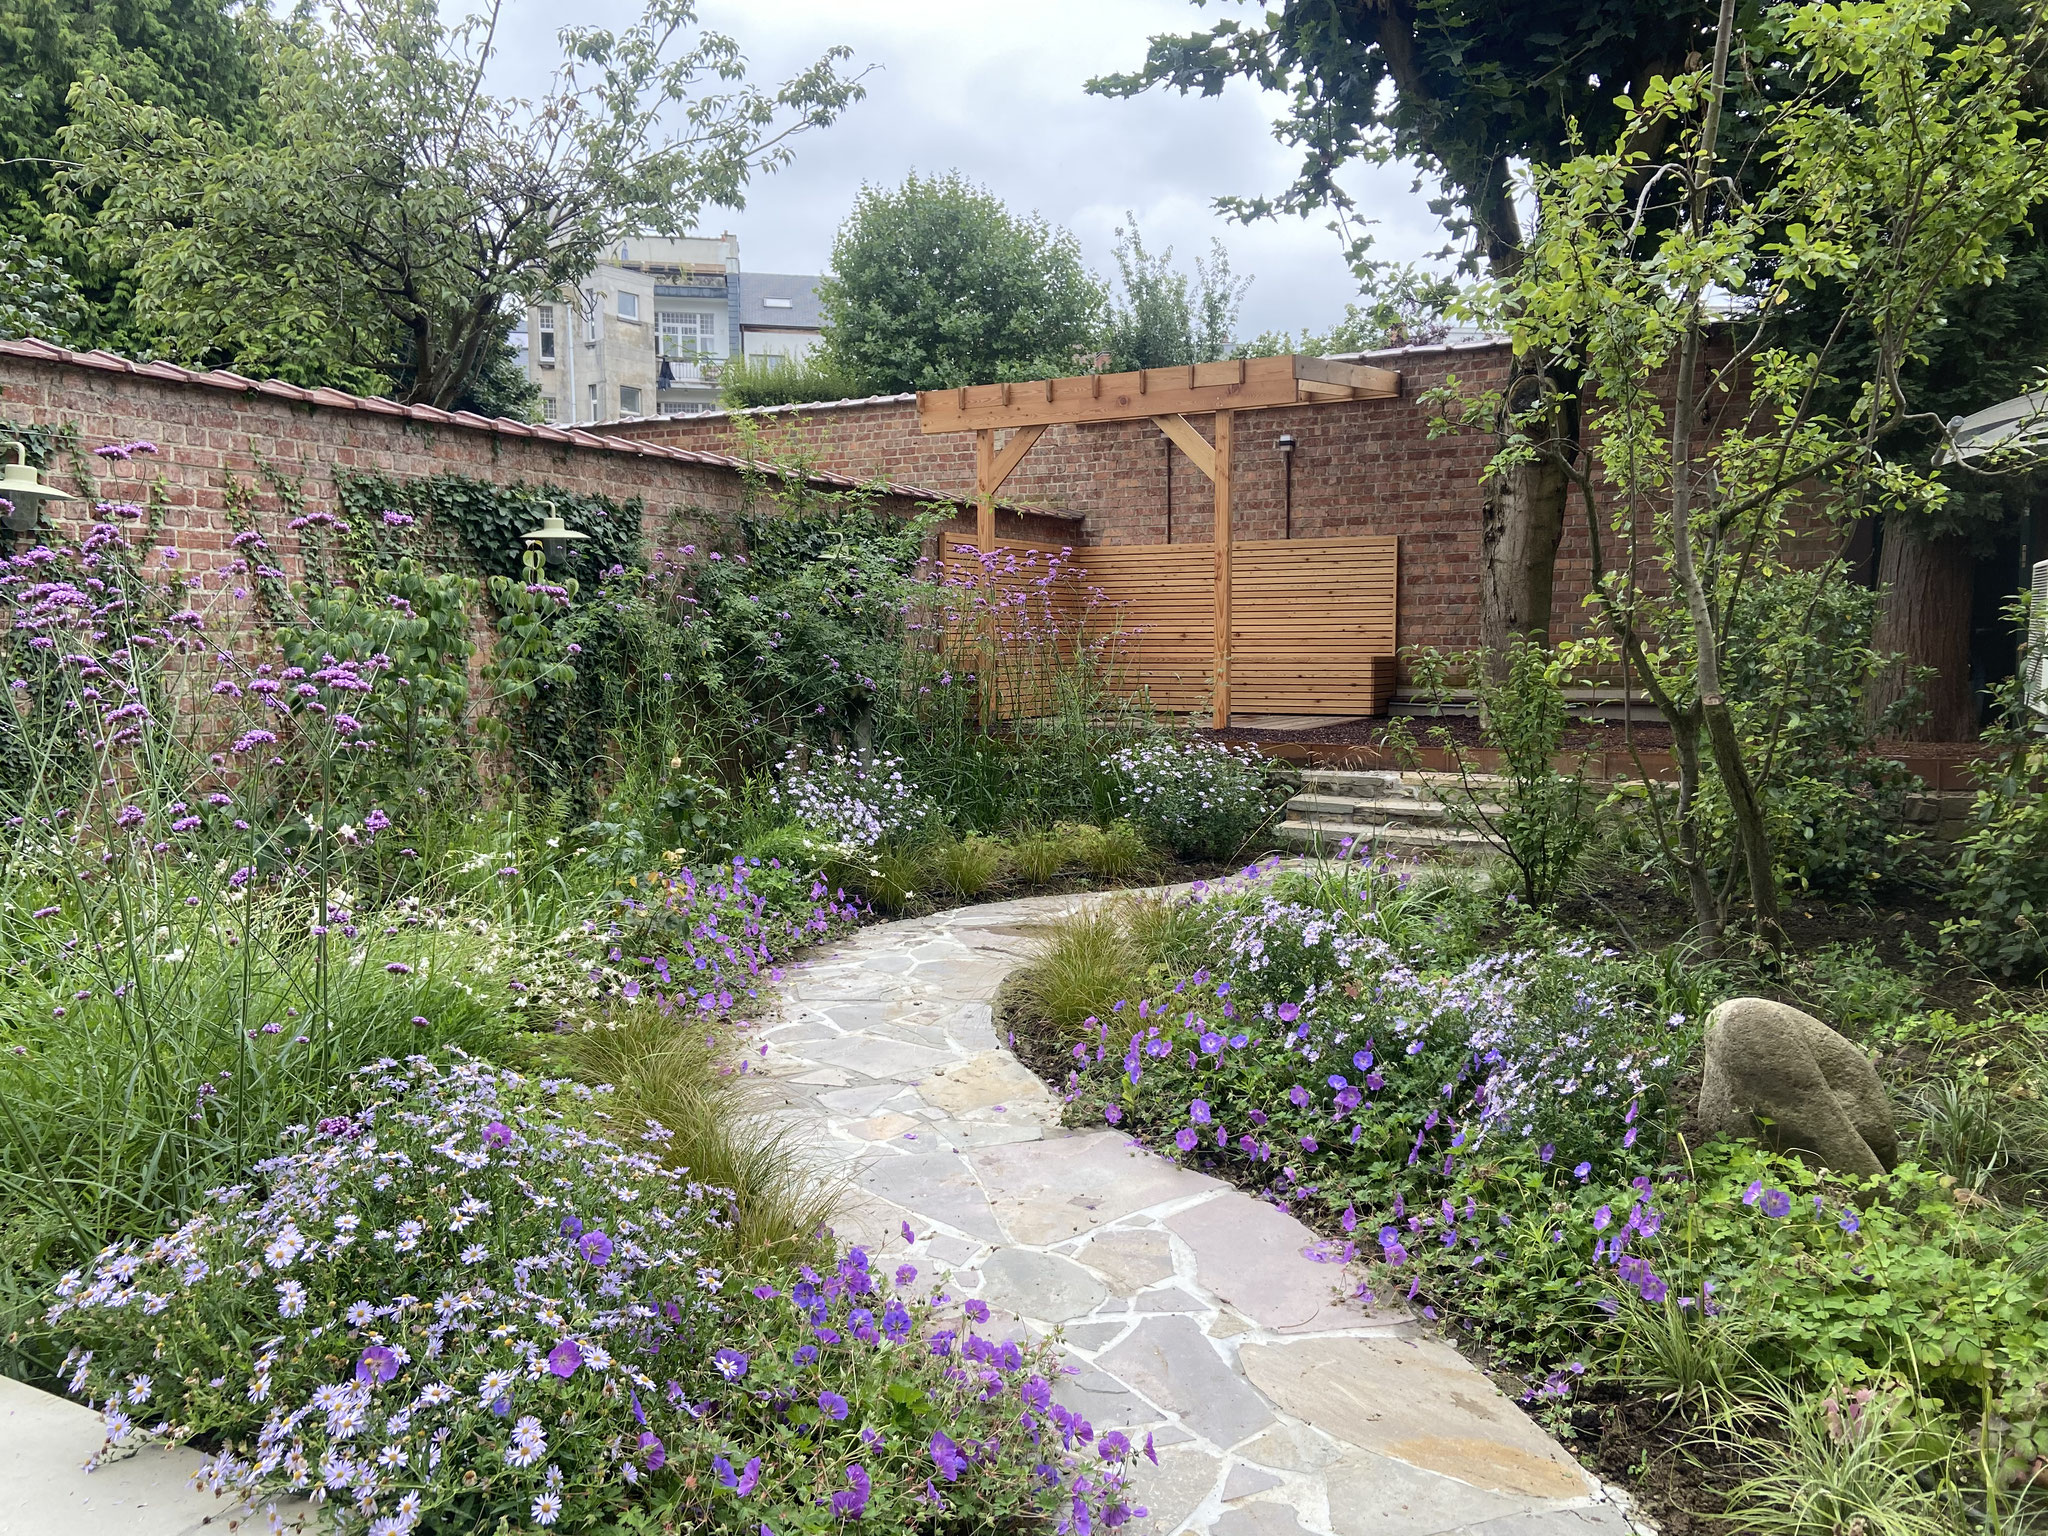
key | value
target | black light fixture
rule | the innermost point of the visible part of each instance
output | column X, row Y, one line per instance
column 1287, row 477
column 24, row 492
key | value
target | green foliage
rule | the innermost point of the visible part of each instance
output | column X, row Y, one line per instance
column 1999, row 887
column 479, row 521
column 968, row 866
column 530, row 676
column 37, row 296
column 1082, row 970
column 1540, row 818
column 1160, row 317
column 935, row 283
column 1800, row 664
column 367, row 217
column 746, row 383
column 415, row 627
column 1199, row 798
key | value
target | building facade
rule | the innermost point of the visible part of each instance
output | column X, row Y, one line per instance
column 648, row 331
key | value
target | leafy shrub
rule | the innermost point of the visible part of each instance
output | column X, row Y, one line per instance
column 579, row 1357
column 857, row 798
column 748, row 383
column 1999, row 887
column 1851, row 987
column 1039, row 856
column 1539, row 818
column 1200, row 798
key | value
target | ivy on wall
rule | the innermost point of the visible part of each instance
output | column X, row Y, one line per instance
column 481, row 522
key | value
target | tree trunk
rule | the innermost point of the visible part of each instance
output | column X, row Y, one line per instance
column 1521, row 522
column 1924, row 618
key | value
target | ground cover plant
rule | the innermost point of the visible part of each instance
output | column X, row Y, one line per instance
column 318, row 961
column 1489, row 1113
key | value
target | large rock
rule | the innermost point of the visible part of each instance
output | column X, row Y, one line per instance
column 1785, row 1078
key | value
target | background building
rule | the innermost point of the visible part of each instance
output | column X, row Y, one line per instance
column 648, row 331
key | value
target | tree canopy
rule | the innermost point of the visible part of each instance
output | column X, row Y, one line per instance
column 366, row 222
column 1160, row 316
column 935, row 283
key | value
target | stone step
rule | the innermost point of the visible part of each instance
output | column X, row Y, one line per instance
column 1380, row 782
column 1327, row 836
column 1373, row 812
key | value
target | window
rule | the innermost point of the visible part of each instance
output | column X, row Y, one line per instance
column 777, row 304
column 629, row 400
column 770, row 360
column 593, row 404
column 625, row 252
column 685, row 333
column 547, row 407
column 629, row 306
column 685, row 407
column 544, row 328
column 592, row 318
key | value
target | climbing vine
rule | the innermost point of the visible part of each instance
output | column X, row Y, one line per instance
column 479, row 522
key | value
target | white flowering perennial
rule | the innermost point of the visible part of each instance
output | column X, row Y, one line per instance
column 393, row 1408
column 855, row 798
column 1200, row 798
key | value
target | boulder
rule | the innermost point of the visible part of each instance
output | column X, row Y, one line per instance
column 1788, row 1080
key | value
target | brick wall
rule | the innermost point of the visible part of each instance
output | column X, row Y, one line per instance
column 1360, row 467
column 215, row 430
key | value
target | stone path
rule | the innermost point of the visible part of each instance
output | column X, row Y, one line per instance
column 1188, row 1306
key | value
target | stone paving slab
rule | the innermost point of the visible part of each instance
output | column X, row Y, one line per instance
column 1280, row 1405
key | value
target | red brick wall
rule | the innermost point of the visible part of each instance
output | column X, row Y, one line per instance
column 214, row 431
column 1360, row 467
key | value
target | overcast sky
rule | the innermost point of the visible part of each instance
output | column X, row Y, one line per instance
column 993, row 88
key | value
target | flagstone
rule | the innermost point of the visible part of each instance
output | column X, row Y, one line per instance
column 1171, row 1361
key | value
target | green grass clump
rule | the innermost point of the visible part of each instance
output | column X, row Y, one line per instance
column 968, row 866
column 1039, row 856
column 1115, row 852
column 684, row 1080
column 1082, row 968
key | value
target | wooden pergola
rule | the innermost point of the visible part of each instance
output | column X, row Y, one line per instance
column 1164, row 396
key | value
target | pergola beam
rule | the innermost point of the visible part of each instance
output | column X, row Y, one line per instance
column 1189, row 442
column 1198, row 389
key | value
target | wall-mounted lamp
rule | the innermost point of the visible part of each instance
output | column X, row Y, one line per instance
column 554, row 538
column 23, row 489
column 1287, row 477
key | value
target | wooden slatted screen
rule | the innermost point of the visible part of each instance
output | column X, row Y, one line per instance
column 1313, row 626
column 1313, row 621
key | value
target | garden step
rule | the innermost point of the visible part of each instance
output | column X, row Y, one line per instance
column 1312, row 807
column 1373, row 782
column 1326, row 835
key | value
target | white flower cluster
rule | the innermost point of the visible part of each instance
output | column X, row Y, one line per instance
column 856, row 798
column 1198, row 797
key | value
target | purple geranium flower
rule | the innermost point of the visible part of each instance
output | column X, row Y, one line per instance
column 1777, row 1204
column 732, row 1365
column 851, row 1503
column 946, row 1455
column 832, row 1405
column 595, row 1247
column 377, row 1364
column 652, row 1451
column 1199, row 1111
column 564, row 1359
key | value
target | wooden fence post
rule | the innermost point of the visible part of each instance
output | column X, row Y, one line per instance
column 1223, row 540
column 985, row 490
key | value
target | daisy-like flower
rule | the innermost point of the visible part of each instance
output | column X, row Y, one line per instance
column 495, row 1385
column 291, row 1299
column 475, row 1253
column 547, row 1508
column 529, row 1443
column 359, row 1314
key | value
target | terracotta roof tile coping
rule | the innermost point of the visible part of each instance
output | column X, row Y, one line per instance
column 502, row 426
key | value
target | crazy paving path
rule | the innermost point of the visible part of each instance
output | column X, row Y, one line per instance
column 1189, row 1307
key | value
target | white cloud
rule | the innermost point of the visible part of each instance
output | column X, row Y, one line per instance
column 995, row 90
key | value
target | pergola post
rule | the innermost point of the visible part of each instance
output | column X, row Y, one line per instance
column 1221, row 477
column 985, row 490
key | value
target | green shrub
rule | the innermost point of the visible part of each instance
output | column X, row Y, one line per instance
column 1199, row 798
column 1538, row 818
column 749, row 383
column 1999, row 887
